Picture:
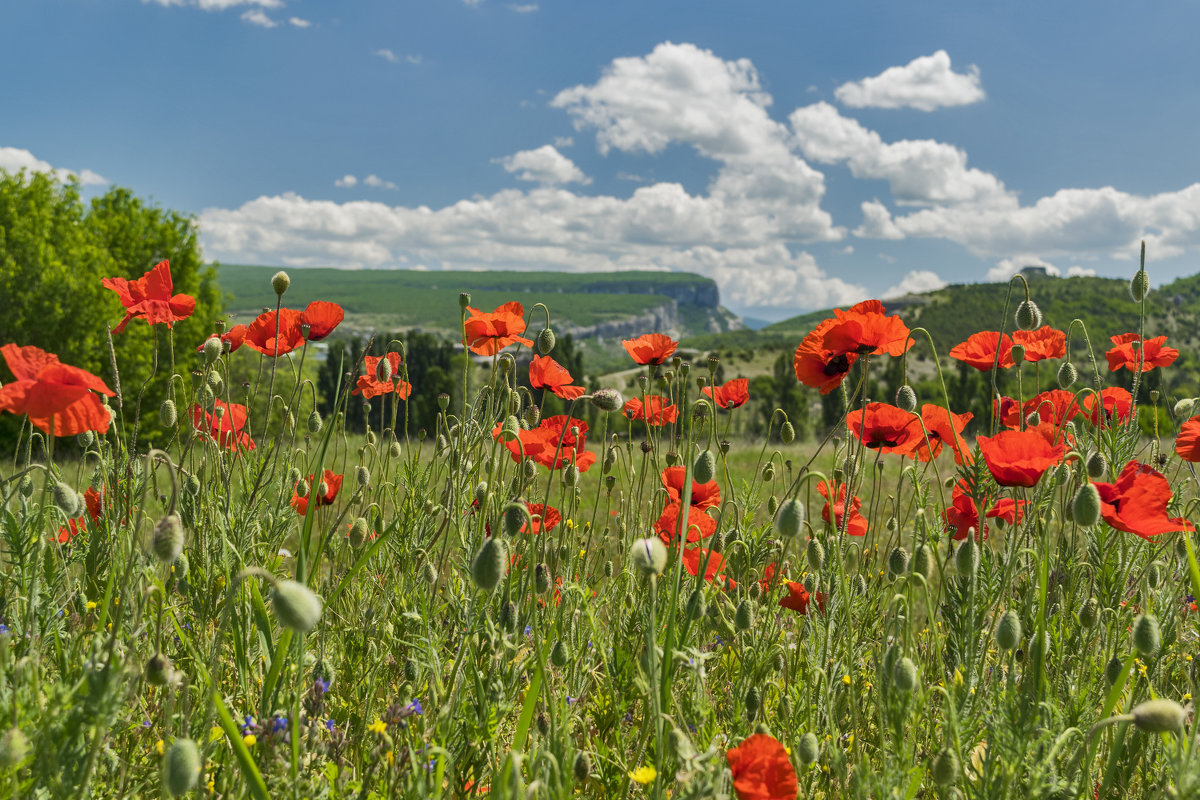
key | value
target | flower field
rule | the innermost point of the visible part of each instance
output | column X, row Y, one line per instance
column 237, row 597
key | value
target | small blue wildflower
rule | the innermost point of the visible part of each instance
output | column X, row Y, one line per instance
column 324, row 684
column 330, row 725
column 415, row 705
column 281, row 724
column 528, row 630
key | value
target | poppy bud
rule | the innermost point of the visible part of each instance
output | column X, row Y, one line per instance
column 515, row 517
column 1067, row 375
column 383, row 370
column 528, row 469
column 787, row 433
column 370, row 438
column 362, row 476
column 790, row 518
column 14, row 747
column 922, row 561
column 464, row 300
column 1146, row 636
column 906, row 398
column 945, row 767
column 533, row 415
column 649, row 556
column 558, row 655
column 743, row 618
column 1089, row 613
column 490, row 564
column 904, row 674
column 280, row 282
column 1097, row 465
column 511, row 430
column 1028, row 316
column 898, row 561
column 213, row 347
column 752, row 702
column 1085, row 508
column 571, row 476
column 181, row 763
column 705, row 467
column 322, row 489
column 607, row 400
column 192, row 485
column 1018, row 354
column 1008, row 631
column 359, row 532
column 1033, row 419
column 695, row 605
column 541, row 578
column 65, row 499
column 1112, row 670
column 295, row 606
column 860, row 584
column 1154, row 575
column 545, row 341
column 158, row 670
column 1139, row 286
column 167, row 414
column 582, row 766
column 768, row 472
column 508, row 616
column 167, row 539
column 314, row 422
column 815, row 555
column 966, row 558
column 1159, row 716
column 809, row 748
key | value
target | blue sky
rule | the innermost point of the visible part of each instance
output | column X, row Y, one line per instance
column 803, row 155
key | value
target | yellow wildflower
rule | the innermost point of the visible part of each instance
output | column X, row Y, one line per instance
column 846, row 679
column 379, row 726
column 158, row 747
column 91, row 605
column 250, row 739
column 215, row 733
column 644, row 775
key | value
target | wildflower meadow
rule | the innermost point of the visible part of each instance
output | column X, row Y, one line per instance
column 228, row 594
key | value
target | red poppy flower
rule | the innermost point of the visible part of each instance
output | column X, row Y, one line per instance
column 53, row 395
column 1007, row 411
column 768, row 577
column 699, row 524
column 546, row 373
column 656, row 410
column 856, row 525
column 1137, row 502
column 545, row 518
column 819, row 367
column 150, row 298
column 321, row 317
column 962, row 515
column 1154, row 353
column 693, row 557
column 1187, row 443
column 886, row 428
column 225, row 425
column 1117, row 404
column 1019, row 458
column 275, row 334
column 798, row 598
column 704, row 495
column 1044, row 343
column 542, row 444
column 943, row 427
column 761, row 770
column 488, row 334
column 979, row 350
column 369, row 385
column 333, row 484
column 232, row 339
column 732, row 394
column 1055, row 406
column 78, row 525
column 650, row 348
column 865, row 328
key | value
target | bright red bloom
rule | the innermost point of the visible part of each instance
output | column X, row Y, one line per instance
column 865, row 328
column 232, row 338
column 979, row 350
column 886, row 428
column 79, row 524
column 798, row 598
column 1154, row 353
column 333, row 484
column 943, row 427
column 1187, row 443
column 962, row 515
column 1137, row 502
column 650, row 348
column 761, row 770
column 369, row 385
column 819, row 367
column 856, row 525
column 150, row 298
column 1117, row 403
column 225, row 425
column 1045, row 342
column 263, row 335
column 693, row 557
column 732, row 394
column 656, row 410
column 704, row 495
column 1019, row 458
column 1007, row 411
column 545, row 518
column 543, row 443
column 1055, row 406
column 699, row 525
column 488, row 334
column 53, row 395
column 546, row 373
column 321, row 317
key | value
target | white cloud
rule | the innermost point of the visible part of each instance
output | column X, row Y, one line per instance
column 564, row 141
column 258, row 17
column 525, row 8
column 297, row 22
column 1005, row 268
column 346, row 182
column 389, row 55
column 218, row 5
column 377, row 182
column 15, row 159
column 925, row 83
column 544, row 165
column 877, row 223
column 915, row 282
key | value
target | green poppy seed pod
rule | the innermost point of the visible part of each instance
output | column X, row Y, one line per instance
column 167, row 414
column 649, row 556
column 966, row 558
column 743, row 618
column 490, row 564
column 167, row 540
column 898, row 561
column 481, row 491
column 789, row 519
column 295, row 606
column 772, row 505
column 314, row 422
column 464, row 300
column 533, row 415
column 582, row 766
column 1028, row 316
column 753, row 702
column 545, row 341
column 922, row 561
column 1154, row 575
column 1008, row 631
column 1112, row 670
column 705, row 467
column 528, row 470
column 541, row 578
column 158, row 670
column 280, row 282
column 906, row 398
column 181, row 763
column 809, row 749
column 508, row 616
column 1067, row 375
column 571, row 476
column 515, row 517
column 362, row 476
column 860, row 584
column 1097, row 465
column 383, row 370
column 65, row 499
column 607, row 400
column 945, row 767
column 787, row 433
column 904, row 675
column 768, row 473
column 1146, row 637
column 1018, row 354
column 14, row 747
column 1159, row 716
column 511, row 430
column 359, row 532
column 695, row 605
column 610, row 481
column 302, row 488
column 1085, row 508
column 558, row 655
column 815, row 553
column 672, row 458
column 1139, row 286
column 1089, row 613
column 609, row 569
column 212, row 349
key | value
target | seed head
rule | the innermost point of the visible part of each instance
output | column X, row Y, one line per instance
column 280, row 283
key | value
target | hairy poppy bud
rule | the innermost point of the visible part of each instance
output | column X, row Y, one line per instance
column 1139, row 286
column 515, row 517
column 528, row 469
column 213, row 347
column 362, row 476
column 815, row 553
column 167, row 539
column 545, row 341
column 649, row 556
column 533, row 415
column 314, row 422
column 705, row 467
column 787, row 433
column 904, row 674
column 383, row 370
column 772, row 505
column 809, row 748
column 1067, row 375
column 181, row 764
column 945, row 767
column 695, row 605
column 358, row 532
column 1089, row 613
column 192, row 485
column 743, row 618
column 582, row 766
column 966, row 558
column 1085, row 508
column 295, row 606
column 1018, row 354
column 1008, row 631
column 790, row 518
column 1154, row 575
column 860, row 584
column 158, row 670
column 490, row 564
column 571, row 476
column 558, row 655
column 922, row 561
column 1097, row 465
column 898, row 561
column 768, row 472
column 167, row 414
column 1112, row 670
column 1028, row 316
column 280, row 282
column 65, row 498
column 1146, row 636
column 607, row 400
column 14, row 747
column 508, row 616
column 541, row 578
column 906, row 398
column 753, row 702
column 1159, row 716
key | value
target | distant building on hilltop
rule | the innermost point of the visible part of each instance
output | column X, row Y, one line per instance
column 1033, row 271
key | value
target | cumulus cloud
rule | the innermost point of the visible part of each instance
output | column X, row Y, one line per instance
column 544, row 165
column 218, row 5
column 258, row 17
column 391, row 56
column 15, row 159
column 377, row 182
column 926, row 83
column 915, row 282
column 523, row 8
column 1005, row 268
column 346, row 182
column 877, row 223
column 297, row 22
